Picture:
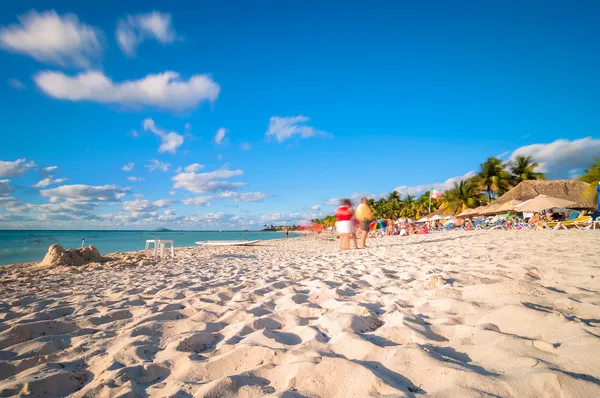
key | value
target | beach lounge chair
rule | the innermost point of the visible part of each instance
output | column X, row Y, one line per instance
column 579, row 223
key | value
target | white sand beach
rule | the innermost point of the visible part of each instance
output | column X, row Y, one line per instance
column 458, row 314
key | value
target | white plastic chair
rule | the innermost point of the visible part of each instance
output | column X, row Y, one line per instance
column 163, row 244
column 156, row 243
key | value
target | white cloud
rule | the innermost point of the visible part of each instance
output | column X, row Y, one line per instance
column 16, row 168
column 443, row 186
column 283, row 128
column 208, row 182
column 49, row 37
column 193, row 168
column 245, row 146
column 128, row 167
column 133, row 178
column 134, row 29
column 156, row 165
column 48, row 181
column 134, row 133
column 316, row 207
column 220, row 135
column 355, row 198
column 244, row 197
column 172, row 193
column 5, row 188
column 169, row 141
column 16, row 84
column 145, row 205
column 45, row 172
column 164, row 91
column 557, row 158
column 252, row 196
column 138, row 195
column 198, row 201
column 80, row 192
column 187, row 126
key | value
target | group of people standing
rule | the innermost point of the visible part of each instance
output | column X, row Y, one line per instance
column 350, row 222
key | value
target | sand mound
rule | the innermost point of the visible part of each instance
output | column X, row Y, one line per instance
column 58, row 256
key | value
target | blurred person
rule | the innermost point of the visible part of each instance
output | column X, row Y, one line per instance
column 364, row 215
column 344, row 224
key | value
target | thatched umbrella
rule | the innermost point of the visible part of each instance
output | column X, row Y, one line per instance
column 543, row 202
column 465, row 213
column 572, row 190
column 490, row 209
column 508, row 206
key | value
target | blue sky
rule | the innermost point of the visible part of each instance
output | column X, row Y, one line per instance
column 316, row 102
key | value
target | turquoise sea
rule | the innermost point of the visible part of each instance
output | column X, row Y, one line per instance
column 24, row 246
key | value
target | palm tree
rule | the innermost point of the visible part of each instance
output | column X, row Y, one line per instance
column 493, row 178
column 522, row 168
column 464, row 195
column 592, row 177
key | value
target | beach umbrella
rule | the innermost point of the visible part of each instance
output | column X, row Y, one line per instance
column 448, row 218
column 465, row 213
column 490, row 209
column 543, row 202
column 435, row 218
column 423, row 219
column 376, row 225
column 508, row 206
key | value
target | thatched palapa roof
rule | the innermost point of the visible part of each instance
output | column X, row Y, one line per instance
column 573, row 190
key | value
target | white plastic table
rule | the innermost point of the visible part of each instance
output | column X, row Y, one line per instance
column 155, row 242
column 163, row 244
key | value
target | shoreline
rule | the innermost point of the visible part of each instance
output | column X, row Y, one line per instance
column 491, row 312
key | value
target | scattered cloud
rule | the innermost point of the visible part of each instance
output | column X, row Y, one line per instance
column 169, row 141
column 17, row 168
column 45, row 171
column 220, row 135
column 133, row 178
column 80, row 192
column 442, row 186
column 134, row 29
column 283, row 128
column 128, row 167
column 244, row 197
column 316, row 207
column 5, row 189
column 134, row 133
column 172, row 193
column 163, row 91
column 208, row 182
column 219, row 157
column 557, row 158
column 193, row 168
column 16, row 84
column 355, row 198
column 198, row 201
column 145, row 205
column 187, row 126
column 154, row 164
column 138, row 195
column 53, row 38
column 245, row 146
column 48, row 181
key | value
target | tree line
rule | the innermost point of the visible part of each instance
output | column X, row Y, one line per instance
column 493, row 180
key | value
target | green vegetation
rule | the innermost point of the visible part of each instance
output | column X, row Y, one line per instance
column 592, row 177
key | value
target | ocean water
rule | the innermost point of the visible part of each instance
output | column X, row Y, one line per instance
column 23, row 246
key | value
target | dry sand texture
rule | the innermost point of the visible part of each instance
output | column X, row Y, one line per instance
column 461, row 314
